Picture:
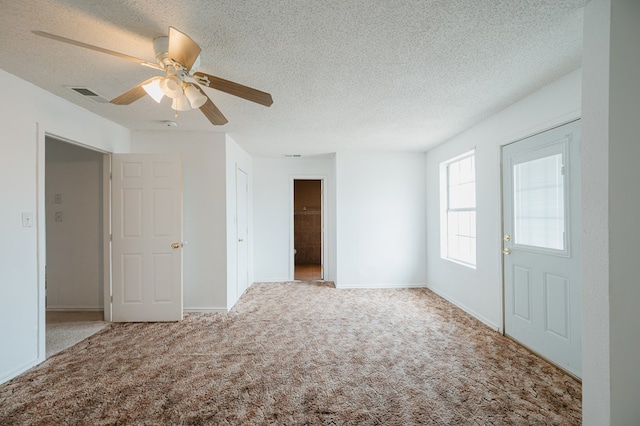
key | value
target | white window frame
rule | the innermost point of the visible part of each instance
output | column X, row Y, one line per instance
column 445, row 210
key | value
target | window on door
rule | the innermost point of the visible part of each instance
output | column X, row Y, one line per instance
column 458, row 209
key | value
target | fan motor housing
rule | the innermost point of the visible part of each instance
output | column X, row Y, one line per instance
column 161, row 49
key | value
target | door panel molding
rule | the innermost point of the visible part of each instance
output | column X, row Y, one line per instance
column 146, row 238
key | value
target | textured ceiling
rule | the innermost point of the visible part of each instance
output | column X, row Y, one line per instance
column 344, row 74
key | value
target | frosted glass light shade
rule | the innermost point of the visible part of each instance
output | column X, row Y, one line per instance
column 181, row 104
column 171, row 86
column 196, row 98
column 153, row 89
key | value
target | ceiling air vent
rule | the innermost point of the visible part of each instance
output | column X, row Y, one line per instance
column 89, row 94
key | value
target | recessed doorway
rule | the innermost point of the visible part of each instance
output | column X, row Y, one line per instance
column 308, row 229
column 74, row 240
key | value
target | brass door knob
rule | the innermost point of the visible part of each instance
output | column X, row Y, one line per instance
column 176, row 245
column 506, row 251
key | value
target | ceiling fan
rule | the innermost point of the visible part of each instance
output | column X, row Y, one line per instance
column 178, row 56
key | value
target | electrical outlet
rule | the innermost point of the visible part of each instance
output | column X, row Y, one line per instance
column 57, row 199
column 58, row 217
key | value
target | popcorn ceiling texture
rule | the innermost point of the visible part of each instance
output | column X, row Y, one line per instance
column 393, row 74
column 299, row 354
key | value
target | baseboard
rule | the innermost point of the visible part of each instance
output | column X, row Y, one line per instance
column 465, row 308
column 74, row 309
column 205, row 310
column 18, row 371
column 376, row 286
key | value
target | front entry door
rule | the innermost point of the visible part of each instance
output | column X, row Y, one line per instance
column 541, row 247
column 146, row 237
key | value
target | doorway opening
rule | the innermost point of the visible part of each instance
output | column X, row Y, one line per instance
column 74, row 239
column 308, row 229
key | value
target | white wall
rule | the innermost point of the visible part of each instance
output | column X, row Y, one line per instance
column 624, row 211
column 236, row 157
column 611, row 242
column 596, row 389
column 75, row 241
column 204, row 211
column 273, row 213
column 380, row 217
column 479, row 291
column 29, row 113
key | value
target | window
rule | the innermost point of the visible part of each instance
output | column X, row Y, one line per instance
column 538, row 202
column 458, row 209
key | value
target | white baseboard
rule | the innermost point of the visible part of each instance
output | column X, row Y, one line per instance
column 465, row 308
column 74, row 309
column 18, row 371
column 374, row 286
column 205, row 310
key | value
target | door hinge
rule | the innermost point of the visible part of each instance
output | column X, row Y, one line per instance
column 562, row 170
column 112, row 298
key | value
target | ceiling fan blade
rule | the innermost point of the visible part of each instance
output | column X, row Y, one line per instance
column 97, row 49
column 235, row 89
column 213, row 114
column 132, row 95
column 182, row 49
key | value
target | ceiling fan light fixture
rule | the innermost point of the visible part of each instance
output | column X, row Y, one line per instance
column 153, row 89
column 181, row 104
column 171, row 86
column 196, row 98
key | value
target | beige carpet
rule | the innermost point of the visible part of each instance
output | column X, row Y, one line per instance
column 65, row 329
column 299, row 354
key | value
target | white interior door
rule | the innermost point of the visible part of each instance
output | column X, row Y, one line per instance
column 147, row 237
column 541, row 212
column 242, row 226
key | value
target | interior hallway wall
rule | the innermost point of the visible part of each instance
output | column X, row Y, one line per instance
column 204, row 211
column 74, row 221
column 273, row 213
column 611, row 207
column 237, row 158
column 32, row 113
column 380, row 219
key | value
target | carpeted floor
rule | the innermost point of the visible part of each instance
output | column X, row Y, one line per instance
column 298, row 354
column 65, row 329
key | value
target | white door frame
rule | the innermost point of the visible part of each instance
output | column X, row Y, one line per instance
column 41, row 230
column 323, row 212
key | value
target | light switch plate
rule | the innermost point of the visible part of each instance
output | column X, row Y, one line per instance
column 27, row 219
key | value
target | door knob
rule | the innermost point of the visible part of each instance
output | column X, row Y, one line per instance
column 507, row 237
column 506, row 251
column 240, row 240
column 176, row 245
